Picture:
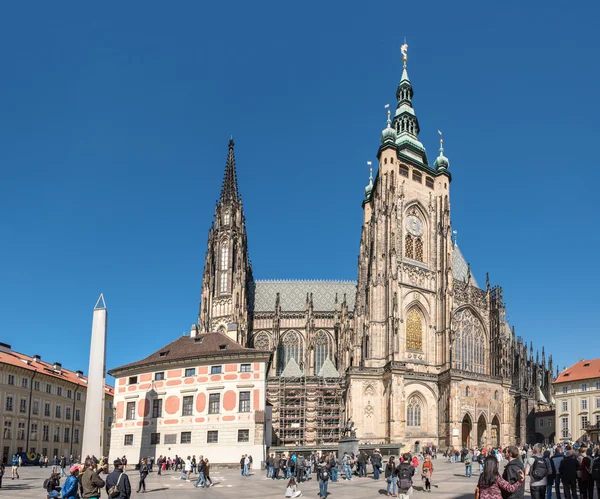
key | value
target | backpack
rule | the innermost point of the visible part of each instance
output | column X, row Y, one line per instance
column 404, row 477
column 596, row 469
column 46, row 482
column 539, row 470
column 324, row 473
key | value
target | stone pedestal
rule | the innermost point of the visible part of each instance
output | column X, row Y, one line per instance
column 349, row 445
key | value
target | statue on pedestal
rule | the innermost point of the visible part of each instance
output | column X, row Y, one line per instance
column 348, row 429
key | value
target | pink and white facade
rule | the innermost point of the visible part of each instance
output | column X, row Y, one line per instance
column 198, row 395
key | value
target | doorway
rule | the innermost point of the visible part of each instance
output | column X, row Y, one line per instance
column 467, row 426
column 481, row 431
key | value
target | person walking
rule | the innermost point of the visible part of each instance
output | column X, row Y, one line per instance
column 15, row 467
column 404, row 473
column 491, row 484
column 118, row 480
column 376, row 461
column 468, row 461
column 207, row 473
column 323, row 472
column 333, row 466
column 584, row 474
column 427, row 472
column 556, row 460
column 143, row 475
column 538, row 470
column 91, row 483
column 187, row 469
column 347, row 466
column 568, row 474
column 390, row 476
column 1, row 470
column 201, row 468
column 550, row 478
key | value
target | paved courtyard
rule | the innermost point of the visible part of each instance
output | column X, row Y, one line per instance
column 448, row 482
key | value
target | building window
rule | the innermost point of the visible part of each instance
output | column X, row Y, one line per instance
column 414, row 330
column 159, row 376
column 409, row 246
column 157, row 408
column 413, row 412
column 417, row 177
column 289, row 348
column 35, row 408
column 9, row 403
column 322, row 350
column 59, row 391
column 23, row 406
column 549, row 422
column 216, row 369
column 78, row 397
column 404, row 170
column 67, row 435
column 68, row 413
column 467, row 391
column 584, row 422
column 190, row 372
column 34, row 428
column 597, row 385
column 565, row 427
column 541, row 423
column 57, row 413
column 419, row 249
column 565, row 389
column 47, row 410
column 76, row 436
column 45, row 433
column 48, row 388
column 188, row 406
column 69, row 394
column 36, row 386
column 11, row 379
column 226, row 217
column 429, row 182
column 24, row 382
column 57, row 434
column 132, row 380
column 597, row 402
column 77, row 414
column 130, row 413
column 224, row 256
column 109, row 421
column 223, row 285
column 186, row 437
column 154, row 438
column 21, row 431
column 584, row 404
column 214, row 403
column 170, row 438
column 245, row 368
column 244, row 401
column 128, row 439
column 243, row 435
column 212, row 437
column 565, row 406
column 7, row 430
column 469, row 342
column 584, row 387
column 496, row 395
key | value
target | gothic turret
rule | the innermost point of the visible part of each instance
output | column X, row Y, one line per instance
column 227, row 271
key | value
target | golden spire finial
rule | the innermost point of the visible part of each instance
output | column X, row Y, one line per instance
column 404, row 51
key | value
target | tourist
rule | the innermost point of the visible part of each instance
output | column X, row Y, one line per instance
column 1, row 470
column 188, row 468
column 243, row 465
column 143, row 475
column 468, row 458
column 512, row 473
column 427, row 472
column 568, row 474
column 119, row 479
column 159, row 464
column 390, row 476
column 201, row 468
column 323, row 472
column 333, row 466
column 404, row 473
column 63, row 465
column 556, row 460
column 347, row 466
column 480, row 461
column 595, row 471
column 491, row 484
column 361, row 458
column 15, row 467
column 91, row 482
column 283, row 466
column 71, row 486
column 300, row 465
column 52, row 486
column 276, row 466
column 550, row 478
column 538, row 470
column 376, row 461
column 292, row 490
column 586, row 484
column 207, row 478
column 270, row 463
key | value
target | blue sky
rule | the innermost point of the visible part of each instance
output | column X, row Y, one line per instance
column 114, row 122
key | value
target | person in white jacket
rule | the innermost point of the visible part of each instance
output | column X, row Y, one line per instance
column 292, row 490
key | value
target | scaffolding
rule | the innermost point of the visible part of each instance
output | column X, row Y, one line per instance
column 328, row 410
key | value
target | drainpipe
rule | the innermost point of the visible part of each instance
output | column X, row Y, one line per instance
column 29, row 412
column 73, row 420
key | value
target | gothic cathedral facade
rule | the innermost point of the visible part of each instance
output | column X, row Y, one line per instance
column 414, row 350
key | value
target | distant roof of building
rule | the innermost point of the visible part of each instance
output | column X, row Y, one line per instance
column 544, row 414
column 193, row 347
column 292, row 295
column 36, row 364
column 584, row 369
column 460, row 268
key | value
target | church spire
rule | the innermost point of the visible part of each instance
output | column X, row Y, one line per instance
column 405, row 120
column 229, row 191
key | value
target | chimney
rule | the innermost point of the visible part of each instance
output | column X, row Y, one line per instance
column 79, row 374
column 57, row 366
column 36, row 358
column 5, row 347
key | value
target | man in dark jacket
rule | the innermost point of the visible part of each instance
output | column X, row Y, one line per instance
column 120, row 479
column 568, row 474
column 511, row 473
column 376, row 462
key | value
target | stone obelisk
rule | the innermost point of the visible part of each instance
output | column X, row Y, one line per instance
column 94, row 401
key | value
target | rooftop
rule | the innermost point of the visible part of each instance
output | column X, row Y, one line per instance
column 582, row 370
column 188, row 347
column 36, row 364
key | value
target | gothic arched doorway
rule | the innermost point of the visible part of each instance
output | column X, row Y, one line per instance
column 495, row 432
column 481, row 431
column 467, row 426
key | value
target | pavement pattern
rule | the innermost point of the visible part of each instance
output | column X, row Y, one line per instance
column 448, row 482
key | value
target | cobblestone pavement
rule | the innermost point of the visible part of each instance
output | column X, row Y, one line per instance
column 449, row 482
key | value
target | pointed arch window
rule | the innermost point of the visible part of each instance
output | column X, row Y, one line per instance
column 224, row 256
column 223, row 283
column 322, row 350
column 289, row 348
column 409, row 250
column 469, row 343
column 413, row 412
column 414, row 330
column 419, row 249
column 261, row 341
column 226, row 217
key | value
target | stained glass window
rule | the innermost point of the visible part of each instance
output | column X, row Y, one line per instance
column 469, row 343
column 414, row 331
column 408, row 246
column 322, row 350
column 413, row 412
column 419, row 249
column 224, row 256
column 290, row 347
column 261, row 341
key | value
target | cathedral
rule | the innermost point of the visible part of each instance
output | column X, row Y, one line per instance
column 415, row 351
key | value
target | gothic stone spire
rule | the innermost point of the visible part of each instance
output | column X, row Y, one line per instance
column 229, row 191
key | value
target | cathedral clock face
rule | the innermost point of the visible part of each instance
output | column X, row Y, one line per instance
column 414, row 225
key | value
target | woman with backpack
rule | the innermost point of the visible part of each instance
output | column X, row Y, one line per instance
column 390, row 476
column 490, row 484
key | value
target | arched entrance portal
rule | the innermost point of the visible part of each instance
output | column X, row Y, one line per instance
column 467, row 426
column 495, row 432
column 481, row 431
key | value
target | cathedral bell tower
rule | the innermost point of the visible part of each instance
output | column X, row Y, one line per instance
column 227, row 269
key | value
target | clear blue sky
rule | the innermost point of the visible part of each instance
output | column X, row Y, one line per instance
column 114, row 122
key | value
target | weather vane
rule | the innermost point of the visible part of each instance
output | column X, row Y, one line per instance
column 404, row 50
